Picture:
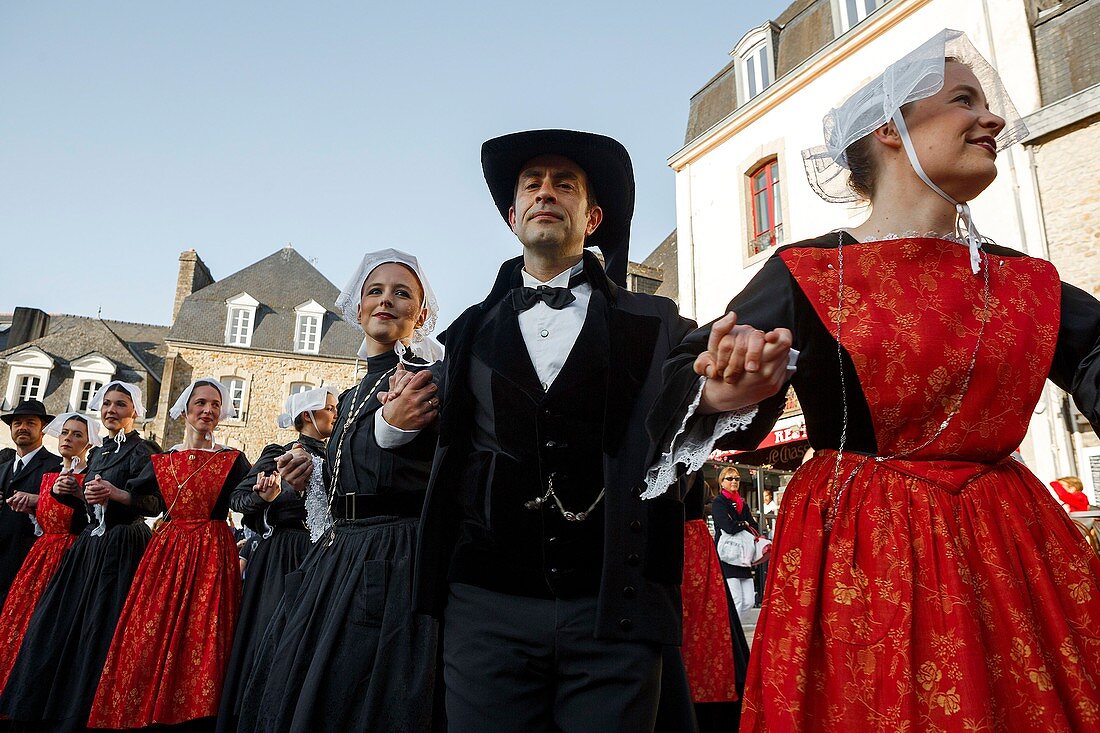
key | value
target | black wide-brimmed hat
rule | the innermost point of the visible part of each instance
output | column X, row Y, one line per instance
column 606, row 164
column 28, row 408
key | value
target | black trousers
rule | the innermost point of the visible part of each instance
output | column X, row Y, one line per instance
column 529, row 665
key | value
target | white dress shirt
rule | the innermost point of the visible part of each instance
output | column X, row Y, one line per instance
column 22, row 461
column 548, row 334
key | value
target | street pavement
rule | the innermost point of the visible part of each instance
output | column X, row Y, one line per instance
column 748, row 623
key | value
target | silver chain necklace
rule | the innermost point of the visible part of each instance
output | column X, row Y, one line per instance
column 956, row 400
column 349, row 423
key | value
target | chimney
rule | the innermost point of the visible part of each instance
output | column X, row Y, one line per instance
column 193, row 276
column 27, row 324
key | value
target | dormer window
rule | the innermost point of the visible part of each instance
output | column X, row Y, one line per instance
column 307, row 327
column 240, row 320
column 28, row 376
column 849, row 13
column 90, row 372
column 755, row 61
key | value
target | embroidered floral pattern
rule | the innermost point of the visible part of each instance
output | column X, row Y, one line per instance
column 167, row 659
column 34, row 575
column 952, row 593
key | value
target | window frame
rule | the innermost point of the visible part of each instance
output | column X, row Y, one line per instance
column 844, row 23
column 773, row 184
column 239, row 403
column 239, row 334
column 311, row 309
column 754, row 57
column 31, row 361
column 85, row 391
column 92, row 367
column 23, row 393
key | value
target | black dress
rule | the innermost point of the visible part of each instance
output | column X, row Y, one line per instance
column 63, row 652
column 283, row 545
column 345, row 651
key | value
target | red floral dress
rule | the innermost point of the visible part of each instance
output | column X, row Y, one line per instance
column 951, row 591
column 708, row 643
column 167, row 659
column 59, row 532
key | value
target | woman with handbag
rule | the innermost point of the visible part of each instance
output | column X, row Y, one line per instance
column 732, row 516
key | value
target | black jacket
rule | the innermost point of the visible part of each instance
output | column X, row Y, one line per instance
column 16, row 528
column 639, row 594
column 727, row 519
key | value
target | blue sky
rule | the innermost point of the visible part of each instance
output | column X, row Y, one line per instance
column 130, row 131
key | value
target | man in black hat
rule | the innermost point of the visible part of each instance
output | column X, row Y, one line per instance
column 20, row 479
column 557, row 586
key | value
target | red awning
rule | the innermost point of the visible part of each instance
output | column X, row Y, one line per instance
column 778, row 436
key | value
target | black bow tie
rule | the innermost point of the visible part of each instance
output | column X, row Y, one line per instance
column 557, row 298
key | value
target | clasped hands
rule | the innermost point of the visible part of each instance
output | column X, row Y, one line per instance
column 98, row 490
column 743, row 365
column 411, row 402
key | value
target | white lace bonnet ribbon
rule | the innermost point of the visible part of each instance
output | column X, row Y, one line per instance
column 133, row 390
column 228, row 412
column 306, row 401
column 421, row 344
column 94, row 438
column 917, row 75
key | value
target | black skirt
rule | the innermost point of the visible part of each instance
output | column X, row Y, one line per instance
column 58, row 667
column 264, row 583
column 345, row 651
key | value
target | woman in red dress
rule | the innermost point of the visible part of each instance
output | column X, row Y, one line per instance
column 908, row 590
column 168, row 656
column 59, row 519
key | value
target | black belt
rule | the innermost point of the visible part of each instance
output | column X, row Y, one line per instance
column 366, row 506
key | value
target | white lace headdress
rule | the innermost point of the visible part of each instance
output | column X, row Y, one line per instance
column 917, row 75
column 307, row 401
column 133, row 390
column 54, row 428
column 421, row 344
column 228, row 412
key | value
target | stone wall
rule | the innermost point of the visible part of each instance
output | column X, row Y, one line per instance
column 1067, row 50
column 1067, row 166
column 267, row 384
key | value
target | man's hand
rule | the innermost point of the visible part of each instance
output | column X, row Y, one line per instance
column 295, row 467
column 268, row 486
column 411, row 402
column 743, row 365
column 21, row 501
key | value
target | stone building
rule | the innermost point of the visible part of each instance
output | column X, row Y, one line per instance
column 63, row 359
column 1064, row 154
column 741, row 189
column 266, row 331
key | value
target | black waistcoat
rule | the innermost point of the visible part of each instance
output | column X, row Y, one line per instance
column 524, row 439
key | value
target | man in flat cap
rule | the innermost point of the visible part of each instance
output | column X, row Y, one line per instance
column 557, row 586
column 20, row 478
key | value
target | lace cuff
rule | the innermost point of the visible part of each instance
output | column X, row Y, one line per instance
column 689, row 449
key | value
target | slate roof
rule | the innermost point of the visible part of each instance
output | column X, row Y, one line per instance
column 280, row 282
column 805, row 27
column 136, row 349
